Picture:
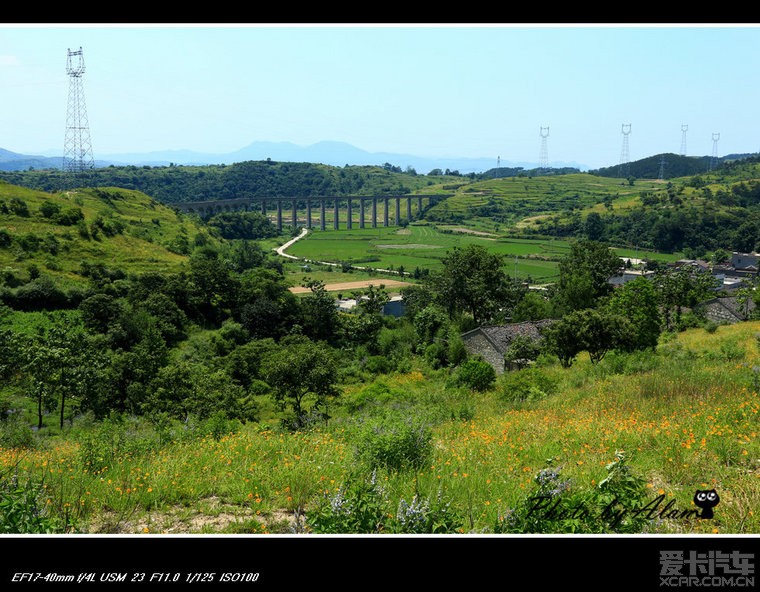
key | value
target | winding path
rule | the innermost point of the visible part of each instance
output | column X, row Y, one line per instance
column 332, row 287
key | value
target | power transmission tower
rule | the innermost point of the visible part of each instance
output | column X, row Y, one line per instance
column 77, row 149
column 662, row 168
column 543, row 155
column 624, row 152
column 714, row 159
column 684, row 129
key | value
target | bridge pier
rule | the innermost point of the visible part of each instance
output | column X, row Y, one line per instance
column 250, row 204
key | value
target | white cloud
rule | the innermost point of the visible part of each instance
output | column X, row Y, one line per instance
column 8, row 60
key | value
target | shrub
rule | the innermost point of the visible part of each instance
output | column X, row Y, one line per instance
column 18, row 206
column 394, row 442
column 529, row 384
column 555, row 506
column 435, row 355
column 49, row 209
column 362, row 506
column 14, row 431
column 69, row 217
column 23, row 510
column 38, row 294
column 378, row 365
column 476, row 374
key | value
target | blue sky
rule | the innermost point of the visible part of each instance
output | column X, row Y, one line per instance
column 427, row 90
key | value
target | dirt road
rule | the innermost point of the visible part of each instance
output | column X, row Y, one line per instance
column 347, row 286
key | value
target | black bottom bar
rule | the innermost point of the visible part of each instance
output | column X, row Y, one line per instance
column 285, row 562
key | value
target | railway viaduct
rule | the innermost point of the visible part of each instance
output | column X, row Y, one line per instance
column 373, row 203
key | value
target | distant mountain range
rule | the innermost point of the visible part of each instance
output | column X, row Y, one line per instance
column 330, row 153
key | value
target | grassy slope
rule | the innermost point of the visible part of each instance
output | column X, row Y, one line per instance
column 531, row 197
column 149, row 228
column 686, row 417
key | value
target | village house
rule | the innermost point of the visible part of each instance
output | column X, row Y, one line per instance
column 726, row 310
column 492, row 342
column 395, row 307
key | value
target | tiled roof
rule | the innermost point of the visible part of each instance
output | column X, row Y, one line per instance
column 502, row 335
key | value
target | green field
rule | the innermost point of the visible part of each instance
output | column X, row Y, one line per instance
column 423, row 245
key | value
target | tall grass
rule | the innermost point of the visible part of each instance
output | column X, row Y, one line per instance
column 685, row 417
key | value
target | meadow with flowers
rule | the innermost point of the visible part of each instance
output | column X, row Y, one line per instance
column 684, row 416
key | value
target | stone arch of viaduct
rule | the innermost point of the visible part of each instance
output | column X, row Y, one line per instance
column 375, row 204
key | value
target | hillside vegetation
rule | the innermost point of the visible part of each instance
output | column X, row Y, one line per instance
column 57, row 233
column 173, row 184
column 659, row 426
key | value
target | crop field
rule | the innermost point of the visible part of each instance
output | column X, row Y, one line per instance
column 424, row 245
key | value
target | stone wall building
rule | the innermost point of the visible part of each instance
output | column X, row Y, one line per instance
column 491, row 342
column 726, row 310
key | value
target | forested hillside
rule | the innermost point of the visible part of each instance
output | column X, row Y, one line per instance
column 174, row 184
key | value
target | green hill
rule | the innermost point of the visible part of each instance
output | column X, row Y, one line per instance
column 56, row 233
column 718, row 209
column 670, row 166
column 516, row 201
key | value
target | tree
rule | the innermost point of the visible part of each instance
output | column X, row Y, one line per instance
column 599, row 331
column 211, row 286
column 637, row 300
column 594, row 226
column 521, row 351
column 184, row 389
column 472, row 281
column 265, row 306
column 319, row 316
column 559, row 339
column 99, row 312
column 300, row 370
column 584, row 275
column 590, row 330
column 678, row 288
column 59, row 362
column 430, row 322
column 532, row 307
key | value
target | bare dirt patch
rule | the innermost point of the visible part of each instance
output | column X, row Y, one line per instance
column 209, row 515
column 353, row 285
